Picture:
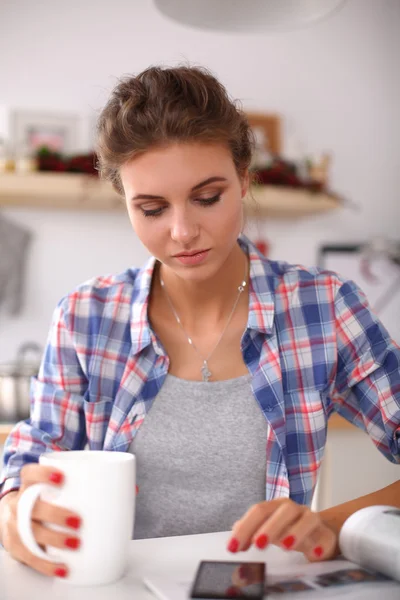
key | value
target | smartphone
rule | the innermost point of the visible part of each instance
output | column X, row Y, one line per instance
column 220, row 580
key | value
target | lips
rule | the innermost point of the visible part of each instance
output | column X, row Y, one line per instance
column 188, row 254
column 192, row 258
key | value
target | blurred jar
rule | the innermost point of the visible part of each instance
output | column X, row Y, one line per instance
column 7, row 163
column 26, row 160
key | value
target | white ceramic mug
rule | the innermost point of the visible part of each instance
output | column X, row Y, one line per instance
column 99, row 487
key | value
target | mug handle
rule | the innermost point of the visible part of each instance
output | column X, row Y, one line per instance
column 24, row 520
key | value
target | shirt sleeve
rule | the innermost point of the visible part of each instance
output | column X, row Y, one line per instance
column 367, row 384
column 57, row 417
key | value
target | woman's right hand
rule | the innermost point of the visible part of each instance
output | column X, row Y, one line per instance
column 43, row 513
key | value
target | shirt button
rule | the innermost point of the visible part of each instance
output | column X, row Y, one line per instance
column 268, row 408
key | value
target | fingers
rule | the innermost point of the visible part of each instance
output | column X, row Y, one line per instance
column 35, row 473
column 57, row 539
column 20, row 553
column 321, row 545
column 301, row 535
column 275, row 529
column 286, row 524
column 245, row 529
column 49, row 513
column 42, row 512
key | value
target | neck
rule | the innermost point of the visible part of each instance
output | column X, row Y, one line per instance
column 212, row 297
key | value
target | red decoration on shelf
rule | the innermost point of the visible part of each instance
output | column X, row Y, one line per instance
column 262, row 246
column 282, row 172
column 53, row 161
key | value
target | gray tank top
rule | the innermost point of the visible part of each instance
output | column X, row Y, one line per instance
column 200, row 457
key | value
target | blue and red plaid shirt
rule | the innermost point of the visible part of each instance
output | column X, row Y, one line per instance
column 312, row 345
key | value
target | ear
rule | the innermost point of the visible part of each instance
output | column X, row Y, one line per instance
column 245, row 183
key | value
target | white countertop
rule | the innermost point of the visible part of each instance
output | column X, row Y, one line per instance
column 176, row 558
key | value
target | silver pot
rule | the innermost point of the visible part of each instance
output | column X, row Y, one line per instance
column 15, row 382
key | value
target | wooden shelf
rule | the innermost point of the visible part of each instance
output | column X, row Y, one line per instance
column 84, row 192
column 58, row 190
column 283, row 202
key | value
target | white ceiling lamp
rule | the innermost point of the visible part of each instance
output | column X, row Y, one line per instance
column 248, row 15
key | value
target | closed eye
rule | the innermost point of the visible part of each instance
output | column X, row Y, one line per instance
column 156, row 212
column 209, row 201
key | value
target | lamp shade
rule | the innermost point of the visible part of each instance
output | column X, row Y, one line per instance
column 247, row 15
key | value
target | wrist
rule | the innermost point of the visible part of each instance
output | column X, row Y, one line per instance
column 333, row 518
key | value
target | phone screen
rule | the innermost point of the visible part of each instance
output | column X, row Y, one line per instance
column 221, row 580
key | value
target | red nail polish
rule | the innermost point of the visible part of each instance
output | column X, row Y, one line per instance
column 262, row 541
column 56, row 477
column 137, row 489
column 288, row 541
column 60, row 572
column 318, row 551
column 231, row 592
column 233, row 545
column 73, row 522
column 73, row 543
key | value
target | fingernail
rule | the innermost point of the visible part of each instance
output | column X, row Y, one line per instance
column 262, row 541
column 137, row 489
column 60, row 572
column 73, row 522
column 288, row 541
column 231, row 592
column 56, row 477
column 233, row 545
column 72, row 543
column 318, row 551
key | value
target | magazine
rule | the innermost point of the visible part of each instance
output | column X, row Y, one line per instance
column 371, row 538
column 368, row 567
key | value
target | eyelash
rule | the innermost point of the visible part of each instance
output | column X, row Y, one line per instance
column 156, row 212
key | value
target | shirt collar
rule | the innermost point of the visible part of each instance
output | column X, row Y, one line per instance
column 261, row 298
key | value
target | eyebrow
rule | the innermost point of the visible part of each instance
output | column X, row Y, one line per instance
column 194, row 188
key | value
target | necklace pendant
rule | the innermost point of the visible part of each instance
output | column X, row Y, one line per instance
column 206, row 373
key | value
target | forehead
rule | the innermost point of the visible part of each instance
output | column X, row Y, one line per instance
column 182, row 164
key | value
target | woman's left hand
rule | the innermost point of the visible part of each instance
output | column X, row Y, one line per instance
column 286, row 524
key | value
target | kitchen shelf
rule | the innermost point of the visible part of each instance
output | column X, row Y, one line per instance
column 284, row 202
column 85, row 192
column 335, row 422
column 58, row 190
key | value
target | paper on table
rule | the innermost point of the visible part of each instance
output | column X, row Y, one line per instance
column 309, row 577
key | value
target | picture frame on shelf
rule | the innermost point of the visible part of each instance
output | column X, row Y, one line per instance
column 33, row 129
column 267, row 131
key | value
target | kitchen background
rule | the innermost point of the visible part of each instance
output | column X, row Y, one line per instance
column 335, row 85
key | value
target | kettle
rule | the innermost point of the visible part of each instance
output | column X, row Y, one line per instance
column 15, row 382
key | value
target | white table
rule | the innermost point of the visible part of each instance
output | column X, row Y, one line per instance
column 176, row 557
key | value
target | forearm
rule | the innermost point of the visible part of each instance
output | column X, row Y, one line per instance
column 335, row 516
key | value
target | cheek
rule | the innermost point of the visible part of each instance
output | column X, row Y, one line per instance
column 229, row 218
column 148, row 230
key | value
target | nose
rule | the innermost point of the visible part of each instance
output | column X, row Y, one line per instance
column 184, row 228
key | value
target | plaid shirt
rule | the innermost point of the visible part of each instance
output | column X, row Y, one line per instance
column 312, row 345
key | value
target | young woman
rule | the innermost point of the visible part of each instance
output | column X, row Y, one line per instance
column 217, row 367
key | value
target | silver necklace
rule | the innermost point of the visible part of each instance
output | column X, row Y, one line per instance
column 205, row 371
